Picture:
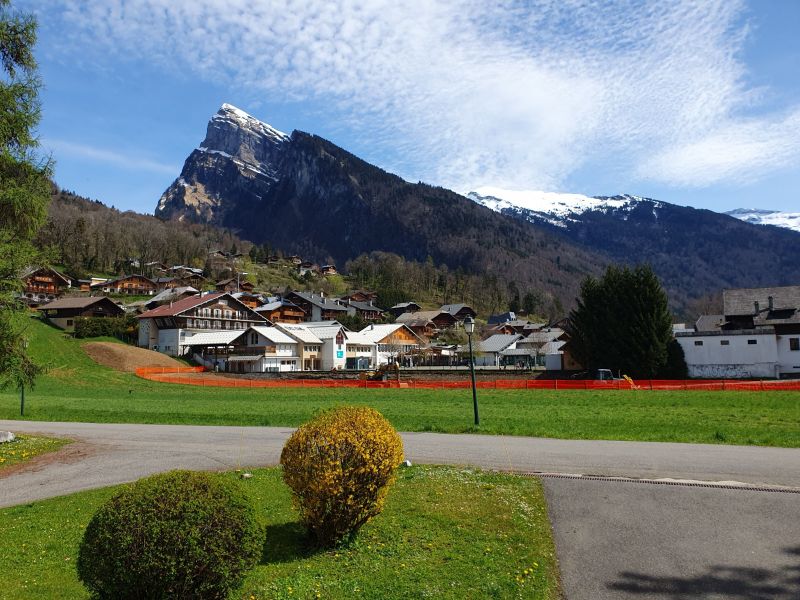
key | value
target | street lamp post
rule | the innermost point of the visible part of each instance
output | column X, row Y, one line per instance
column 238, row 275
column 469, row 327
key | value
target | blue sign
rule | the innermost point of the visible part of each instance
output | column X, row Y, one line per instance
column 340, row 354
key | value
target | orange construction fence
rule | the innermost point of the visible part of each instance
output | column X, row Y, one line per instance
column 199, row 376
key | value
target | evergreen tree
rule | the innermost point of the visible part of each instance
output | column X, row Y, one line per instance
column 622, row 322
column 24, row 187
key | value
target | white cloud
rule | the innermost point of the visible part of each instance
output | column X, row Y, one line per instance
column 467, row 93
column 64, row 149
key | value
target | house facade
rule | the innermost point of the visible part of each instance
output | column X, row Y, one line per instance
column 316, row 306
column 64, row 311
column 324, row 344
column 169, row 327
column 393, row 342
column 758, row 335
column 282, row 311
column 42, row 285
column 132, row 285
column 262, row 349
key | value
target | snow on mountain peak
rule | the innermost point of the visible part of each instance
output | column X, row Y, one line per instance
column 552, row 207
column 760, row 216
column 232, row 114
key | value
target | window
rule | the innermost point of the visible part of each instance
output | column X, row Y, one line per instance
column 724, row 342
column 698, row 342
column 752, row 342
column 70, row 322
column 794, row 344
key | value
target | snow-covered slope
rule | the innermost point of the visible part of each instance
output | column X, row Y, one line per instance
column 759, row 216
column 551, row 207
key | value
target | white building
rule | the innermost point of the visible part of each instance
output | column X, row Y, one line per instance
column 263, row 349
column 169, row 328
column 393, row 342
column 758, row 335
column 324, row 344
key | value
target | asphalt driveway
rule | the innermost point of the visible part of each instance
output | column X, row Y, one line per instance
column 616, row 538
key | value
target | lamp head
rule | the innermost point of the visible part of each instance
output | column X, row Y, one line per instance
column 469, row 325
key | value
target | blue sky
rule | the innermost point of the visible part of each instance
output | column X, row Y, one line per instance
column 695, row 103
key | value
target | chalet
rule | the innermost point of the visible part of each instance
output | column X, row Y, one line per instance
column 189, row 278
column 295, row 259
column 234, row 285
column 491, row 351
column 758, row 335
column 63, row 312
column 170, row 327
column 283, row 311
column 424, row 328
column 171, row 295
column 361, row 296
column 404, row 307
column 365, row 310
column 316, row 306
column 327, row 270
column 273, row 259
column 133, row 285
column 501, row 318
column 459, row 311
column 308, row 267
column 84, row 285
column 249, row 299
column 43, row 284
column 165, row 283
column 440, row 319
column 263, row 349
column 394, row 342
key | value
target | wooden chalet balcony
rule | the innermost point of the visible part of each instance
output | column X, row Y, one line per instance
column 254, row 350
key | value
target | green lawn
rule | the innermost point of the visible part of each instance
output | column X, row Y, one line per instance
column 445, row 533
column 26, row 447
column 77, row 389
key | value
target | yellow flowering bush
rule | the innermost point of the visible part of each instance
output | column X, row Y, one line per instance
column 339, row 467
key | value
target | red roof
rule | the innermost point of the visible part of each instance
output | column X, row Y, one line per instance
column 176, row 308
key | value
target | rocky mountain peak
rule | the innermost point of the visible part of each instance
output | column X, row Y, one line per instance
column 238, row 148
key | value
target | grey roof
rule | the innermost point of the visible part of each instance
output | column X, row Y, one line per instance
column 742, row 301
column 498, row 342
column 454, row 308
column 404, row 304
column 543, row 336
column 502, row 318
column 709, row 322
column 171, row 294
column 300, row 332
column 365, row 306
column 213, row 338
column 273, row 334
column 323, row 303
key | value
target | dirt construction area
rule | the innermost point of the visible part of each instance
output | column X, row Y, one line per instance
column 127, row 358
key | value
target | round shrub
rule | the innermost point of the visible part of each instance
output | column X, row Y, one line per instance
column 175, row 535
column 340, row 466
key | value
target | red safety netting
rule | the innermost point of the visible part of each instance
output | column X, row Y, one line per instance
column 200, row 377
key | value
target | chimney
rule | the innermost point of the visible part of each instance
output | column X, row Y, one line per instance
column 771, row 303
column 322, row 294
column 756, row 306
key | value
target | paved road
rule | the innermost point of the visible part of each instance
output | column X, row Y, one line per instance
column 615, row 539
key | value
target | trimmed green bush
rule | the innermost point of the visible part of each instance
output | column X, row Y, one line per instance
column 176, row 535
column 339, row 467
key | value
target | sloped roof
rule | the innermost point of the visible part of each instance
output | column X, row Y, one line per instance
column 428, row 315
column 274, row 334
column 176, row 308
column 709, row 322
column 543, row 336
column 742, row 301
column 31, row 270
column 122, row 278
column 323, row 303
column 77, row 302
column 213, row 338
column 405, row 305
column 356, row 337
column 454, row 308
column 166, row 295
column 498, row 342
column 366, row 306
column 300, row 332
column 376, row 333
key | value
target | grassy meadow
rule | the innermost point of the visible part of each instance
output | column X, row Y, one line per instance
column 444, row 533
column 77, row 389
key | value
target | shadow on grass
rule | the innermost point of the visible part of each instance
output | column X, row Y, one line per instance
column 287, row 542
column 781, row 583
